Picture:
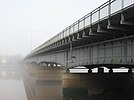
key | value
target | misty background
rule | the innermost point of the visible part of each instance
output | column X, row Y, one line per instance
column 26, row 24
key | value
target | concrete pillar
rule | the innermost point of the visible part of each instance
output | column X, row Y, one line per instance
column 67, row 71
column 49, row 83
column 100, row 70
column 89, row 71
column 110, row 70
column 47, row 64
column 51, row 64
column 130, row 70
column 74, row 87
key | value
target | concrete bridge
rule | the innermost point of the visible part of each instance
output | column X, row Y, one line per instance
column 104, row 37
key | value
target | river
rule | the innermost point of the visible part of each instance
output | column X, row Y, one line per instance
column 11, row 82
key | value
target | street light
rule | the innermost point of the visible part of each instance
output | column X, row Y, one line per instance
column 30, row 42
column 31, row 39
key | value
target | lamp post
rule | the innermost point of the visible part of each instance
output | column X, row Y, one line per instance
column 31, row 39
column 30, row 42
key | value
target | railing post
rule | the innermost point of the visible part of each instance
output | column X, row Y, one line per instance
column 99, row 19
column 78, row 25
column 69, row 30
column 99, row 15
column 73, row 29
column 62, row 34
column 90, row 29
column 84, row 23
column 109, row 8
column 90, row 19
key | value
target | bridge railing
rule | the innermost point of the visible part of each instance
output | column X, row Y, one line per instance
column 100, row 13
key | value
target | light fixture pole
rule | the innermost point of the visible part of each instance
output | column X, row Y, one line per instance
column 30, row 42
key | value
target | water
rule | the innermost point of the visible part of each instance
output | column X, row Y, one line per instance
column 11, row 83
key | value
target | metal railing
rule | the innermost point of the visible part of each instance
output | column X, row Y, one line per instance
column 102, row 12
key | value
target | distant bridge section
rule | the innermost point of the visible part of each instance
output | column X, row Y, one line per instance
column 104, row 37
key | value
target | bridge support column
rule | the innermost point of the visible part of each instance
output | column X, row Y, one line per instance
column 100, row 70
column 75, row 86
column 97, row 86
column 67, row 71
column 51, row 64
column 46, row 64
column 49, row 83
column 130, row 70
column 110, row 70
column 89, row 71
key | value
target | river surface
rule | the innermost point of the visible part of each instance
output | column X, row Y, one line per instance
column 11, row 82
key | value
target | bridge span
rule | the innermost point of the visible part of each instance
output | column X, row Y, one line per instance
column 103, row 37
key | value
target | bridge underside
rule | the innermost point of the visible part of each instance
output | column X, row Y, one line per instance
column 108, row 42
column 119, row 53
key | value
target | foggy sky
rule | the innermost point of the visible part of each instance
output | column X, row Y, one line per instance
column 22, row 21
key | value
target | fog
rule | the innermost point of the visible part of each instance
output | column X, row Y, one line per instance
column 25, row 24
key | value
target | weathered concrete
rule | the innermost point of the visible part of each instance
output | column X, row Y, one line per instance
column 54, row 83
column 99, row 86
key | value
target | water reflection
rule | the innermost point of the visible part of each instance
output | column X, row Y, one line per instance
column 3, row 73
column 11, row 83
column 43, row 83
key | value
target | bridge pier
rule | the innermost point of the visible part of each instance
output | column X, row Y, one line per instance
column 44, row 82
column 130, row 70
column 73, row 87
column 67, row 71
column 49, row 83
column 100, row 70
column 89, row 71
column 98, row 86
column 110, row 70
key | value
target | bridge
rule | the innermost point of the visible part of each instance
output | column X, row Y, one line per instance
column 103, row 37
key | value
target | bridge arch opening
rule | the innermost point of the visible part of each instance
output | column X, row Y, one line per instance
column 33, row 63
column 50, row 64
